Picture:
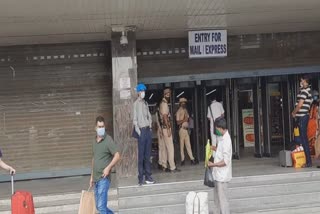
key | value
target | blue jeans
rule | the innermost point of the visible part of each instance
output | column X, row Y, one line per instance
column 303, row 126
column 101, row 195
column 144, row 153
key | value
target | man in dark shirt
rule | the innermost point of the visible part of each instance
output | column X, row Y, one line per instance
column 301, row 114
column 105, row 156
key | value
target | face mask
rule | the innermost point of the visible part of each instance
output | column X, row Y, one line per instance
column 301, row 85
column 218, row 133
column 315, row 98
column 101, row 132
column 142, row 94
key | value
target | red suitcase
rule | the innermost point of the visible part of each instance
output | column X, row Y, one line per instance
column 21, row 201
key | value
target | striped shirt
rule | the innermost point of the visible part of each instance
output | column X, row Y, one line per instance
column 304, row 94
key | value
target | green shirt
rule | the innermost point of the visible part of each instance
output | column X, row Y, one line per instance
column 103, row 153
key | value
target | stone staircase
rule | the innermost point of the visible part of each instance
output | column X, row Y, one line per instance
column 297, row 192
column 67, row 203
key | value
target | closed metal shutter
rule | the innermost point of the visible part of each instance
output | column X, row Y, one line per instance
column 49, row 99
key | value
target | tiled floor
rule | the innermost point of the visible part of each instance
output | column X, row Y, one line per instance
column 249, row 166
column 245, row 167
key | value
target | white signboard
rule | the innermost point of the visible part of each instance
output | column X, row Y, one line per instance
column 208, row 43
column 125, row 94
column 248, row 127
column 124, row 83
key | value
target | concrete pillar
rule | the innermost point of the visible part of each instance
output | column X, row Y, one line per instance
column 124, row 75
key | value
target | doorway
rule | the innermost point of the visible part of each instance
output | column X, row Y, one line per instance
column 186, row 90
column 277, row 99
column 210, row 90
column 154, row 95
column 246, row 127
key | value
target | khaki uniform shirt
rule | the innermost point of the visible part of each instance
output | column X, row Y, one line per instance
column 182, row 114
column 164, row 110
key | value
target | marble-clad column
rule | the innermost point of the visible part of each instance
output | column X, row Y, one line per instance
column 124, row 75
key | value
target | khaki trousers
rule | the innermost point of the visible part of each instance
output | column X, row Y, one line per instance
column 185, row 141
column 168, row 141
column 220, row 198
column 162, row 150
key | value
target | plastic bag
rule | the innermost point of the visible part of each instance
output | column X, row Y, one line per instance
column 299, row 159
column 208, row 178
column 208, row 154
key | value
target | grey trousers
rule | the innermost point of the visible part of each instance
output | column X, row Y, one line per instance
column 221, row 201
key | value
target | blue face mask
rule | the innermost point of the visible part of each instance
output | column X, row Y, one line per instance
column 101, row 132
column 315, row 98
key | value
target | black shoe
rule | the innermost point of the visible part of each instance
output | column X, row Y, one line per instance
column 175, row 170
column 140, row 184
column 160, row 167
column 318, row 166
column 165, row 169
column 194, row 162
column 182, row 163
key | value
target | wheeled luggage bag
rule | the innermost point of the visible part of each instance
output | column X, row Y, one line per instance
column 285, row 158
column 21, row 201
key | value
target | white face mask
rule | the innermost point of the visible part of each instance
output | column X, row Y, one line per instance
column 142, row 94
column 101, row 131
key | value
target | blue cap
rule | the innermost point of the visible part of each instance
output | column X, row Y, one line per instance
column 141, row 87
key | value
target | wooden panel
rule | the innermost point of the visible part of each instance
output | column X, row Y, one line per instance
column 48, row 106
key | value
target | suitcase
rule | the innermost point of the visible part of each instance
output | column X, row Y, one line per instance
column 285, row 158
column 21, row 201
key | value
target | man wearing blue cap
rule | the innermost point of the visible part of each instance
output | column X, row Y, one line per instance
column 142, row 122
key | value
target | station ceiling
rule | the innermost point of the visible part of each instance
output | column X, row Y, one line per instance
column 63, row 21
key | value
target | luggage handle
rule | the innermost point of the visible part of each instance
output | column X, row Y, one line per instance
column 12, row 183
column 196, row 197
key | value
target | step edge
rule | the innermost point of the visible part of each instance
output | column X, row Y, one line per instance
column 208, row 189
column 235, row 179
column 210, row 201
column 231, row 200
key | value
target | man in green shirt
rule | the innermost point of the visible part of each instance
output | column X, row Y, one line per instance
column 105, row 156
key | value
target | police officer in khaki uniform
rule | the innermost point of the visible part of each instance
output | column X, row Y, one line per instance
column 182, row 118
column 162, row 162
column 166, row 129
